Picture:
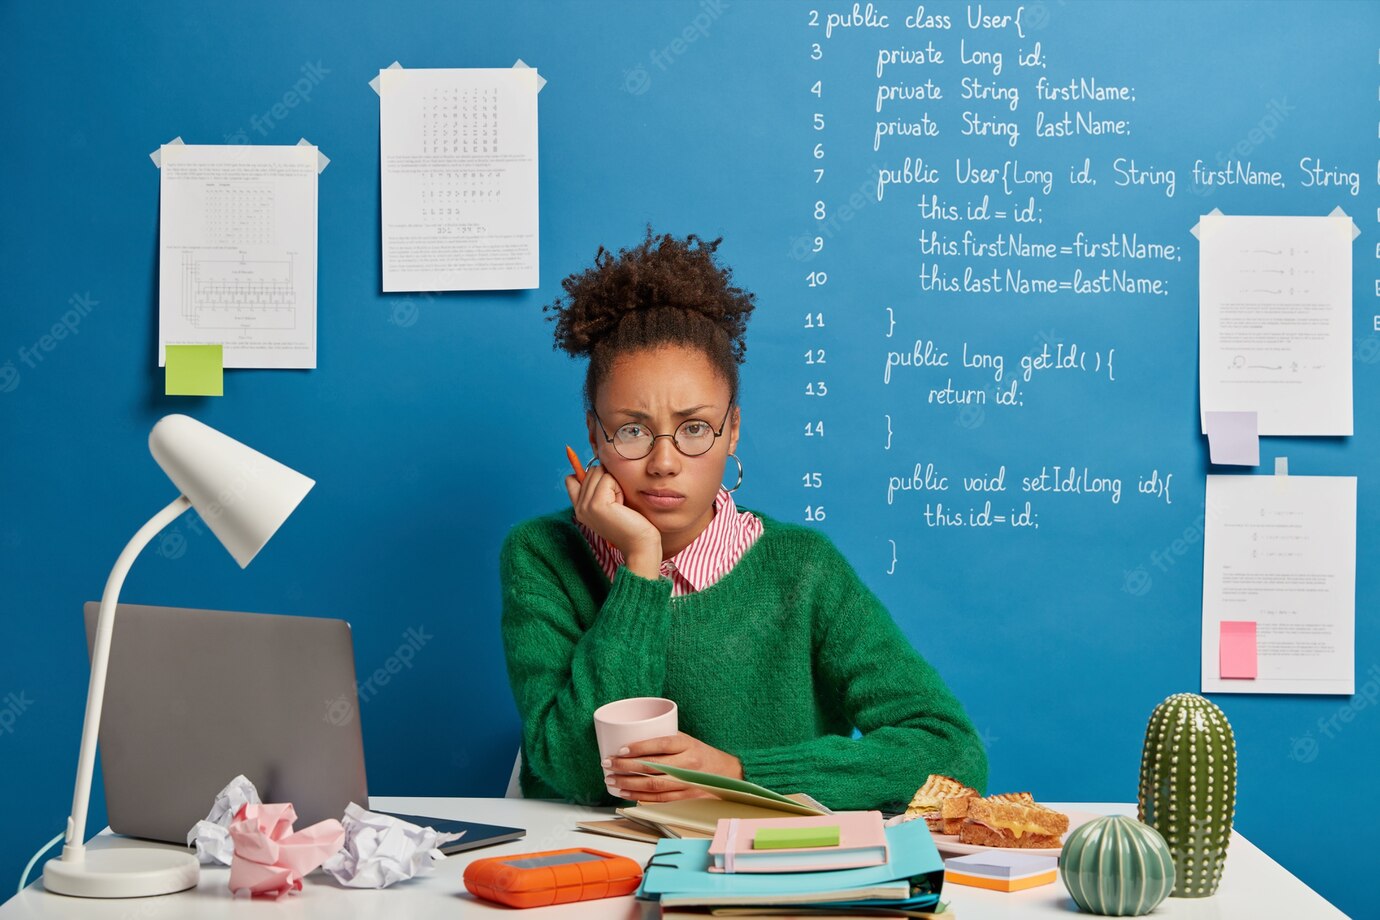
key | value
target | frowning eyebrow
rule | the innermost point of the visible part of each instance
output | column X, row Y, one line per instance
column 679, row 413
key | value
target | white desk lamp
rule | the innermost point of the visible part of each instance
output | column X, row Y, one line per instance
column 243, row 497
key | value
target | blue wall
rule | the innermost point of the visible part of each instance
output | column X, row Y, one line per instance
column 435, row 422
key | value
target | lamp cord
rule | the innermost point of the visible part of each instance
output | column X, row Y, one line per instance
column 24, row 879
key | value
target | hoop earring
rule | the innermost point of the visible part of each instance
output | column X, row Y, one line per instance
column 590, row 464
column 740, row 473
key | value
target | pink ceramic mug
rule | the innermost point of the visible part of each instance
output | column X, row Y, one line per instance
column 620, row 723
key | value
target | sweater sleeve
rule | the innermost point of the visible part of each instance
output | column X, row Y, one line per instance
column 561, row 672
column 911, row 724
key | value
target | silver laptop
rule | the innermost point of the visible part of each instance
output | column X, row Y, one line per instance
column 194, row 697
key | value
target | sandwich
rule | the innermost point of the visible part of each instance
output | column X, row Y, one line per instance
column 953, row 812
column 929, row 798
column 1027, row 825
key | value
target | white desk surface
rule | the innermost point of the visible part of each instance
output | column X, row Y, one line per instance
column 1253, row 885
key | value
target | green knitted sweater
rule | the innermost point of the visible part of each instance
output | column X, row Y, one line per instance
column 776, row 663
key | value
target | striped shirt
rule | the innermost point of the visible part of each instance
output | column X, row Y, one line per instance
column 709, row 557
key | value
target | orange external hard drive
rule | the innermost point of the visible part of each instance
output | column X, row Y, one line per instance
column 552, row 877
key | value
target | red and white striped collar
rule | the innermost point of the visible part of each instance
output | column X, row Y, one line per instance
column 709, row 557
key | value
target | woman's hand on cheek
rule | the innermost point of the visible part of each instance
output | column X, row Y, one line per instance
column 599, row 505
column 678, row 750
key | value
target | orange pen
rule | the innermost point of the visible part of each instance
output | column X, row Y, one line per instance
column 575, row 463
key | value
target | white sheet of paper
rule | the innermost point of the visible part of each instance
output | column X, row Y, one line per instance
column 458, row 156
column 237, row 252
column 1274, row 320
column 1281, row 551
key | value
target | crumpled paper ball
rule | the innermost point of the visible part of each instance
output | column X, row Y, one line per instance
column 211, row 836
column 381, row 849
column 270, row 858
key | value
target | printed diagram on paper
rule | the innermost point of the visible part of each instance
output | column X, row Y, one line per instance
column 464, row 123
column 1275, row 321
column 238, row 246
column 1279, row 554
column 238, row 293
column 458, row 152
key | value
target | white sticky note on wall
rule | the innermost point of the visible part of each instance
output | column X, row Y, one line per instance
column 1233, row 438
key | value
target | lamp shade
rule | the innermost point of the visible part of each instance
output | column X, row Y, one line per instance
column 242, row 495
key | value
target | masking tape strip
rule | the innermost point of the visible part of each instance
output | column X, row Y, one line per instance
column 519, row 64
column 322, row 161
column 1194, row 229
column 374, row 83
column 1335, row 212
column 157, row 155
column 1338, row 212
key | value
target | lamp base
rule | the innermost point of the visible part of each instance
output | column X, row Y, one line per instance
column 125, row 872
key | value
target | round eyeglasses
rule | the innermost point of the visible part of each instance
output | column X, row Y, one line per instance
column 692, row 437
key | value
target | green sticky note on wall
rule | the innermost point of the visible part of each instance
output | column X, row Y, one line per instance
column 782, row 838
column 193, row 370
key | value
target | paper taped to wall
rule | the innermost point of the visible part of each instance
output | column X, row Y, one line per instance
column 237, row 252
column 458, row 156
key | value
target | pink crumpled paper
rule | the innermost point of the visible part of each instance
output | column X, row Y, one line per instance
column 271, row 859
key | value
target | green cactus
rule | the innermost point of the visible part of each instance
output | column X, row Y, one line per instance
column 1188, row 788
column 1116, row 867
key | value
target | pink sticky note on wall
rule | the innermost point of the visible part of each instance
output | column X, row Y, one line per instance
column 1237, row 657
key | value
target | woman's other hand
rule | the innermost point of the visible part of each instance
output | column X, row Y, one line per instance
column 678, row 750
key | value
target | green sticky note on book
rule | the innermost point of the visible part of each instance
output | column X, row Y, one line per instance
column 193, row 370
column 784, row 838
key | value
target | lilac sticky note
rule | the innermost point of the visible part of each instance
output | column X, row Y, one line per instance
column 1237, row 658
column 1233, row 438
column 1002, row 864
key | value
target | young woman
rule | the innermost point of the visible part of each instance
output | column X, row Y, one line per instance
column 653, row 583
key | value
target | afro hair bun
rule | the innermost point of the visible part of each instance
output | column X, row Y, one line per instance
column 660, row 273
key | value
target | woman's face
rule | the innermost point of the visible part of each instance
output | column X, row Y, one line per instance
column 659, row 389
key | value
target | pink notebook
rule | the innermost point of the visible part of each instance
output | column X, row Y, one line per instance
column 862, row 842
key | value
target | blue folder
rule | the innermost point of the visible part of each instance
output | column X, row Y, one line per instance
column 681, row 867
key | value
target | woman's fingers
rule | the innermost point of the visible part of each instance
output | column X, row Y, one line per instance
column 604, row 510
column 647, row 784
column 601, row 489
column 664, row 748
column 672, row 796
column 668, row 795
column 615, row 490
column 627, row 775
column 582, row 494
column 638, row 787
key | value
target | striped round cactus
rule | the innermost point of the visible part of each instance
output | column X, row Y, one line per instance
column 1116, row 867
column 1188, row 788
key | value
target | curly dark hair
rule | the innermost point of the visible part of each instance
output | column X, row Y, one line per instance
column 664, row 291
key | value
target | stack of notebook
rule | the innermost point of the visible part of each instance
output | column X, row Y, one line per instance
column 680, row 877
column 800, row 859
